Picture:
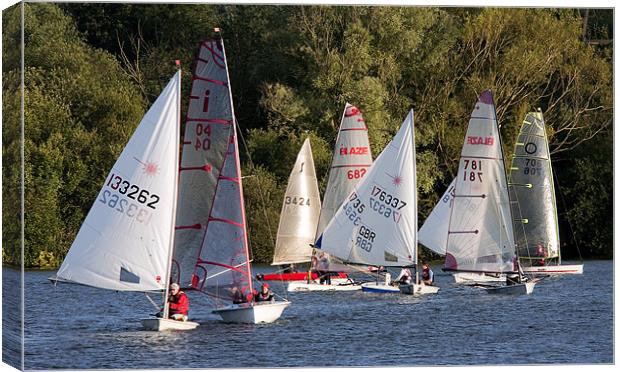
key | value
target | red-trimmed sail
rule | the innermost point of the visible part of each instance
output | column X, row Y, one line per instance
column 211, row 251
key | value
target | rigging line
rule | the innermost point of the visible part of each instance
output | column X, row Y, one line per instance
column 227, row 270
column 151, row 301
column 260, row 193
column 570, row 225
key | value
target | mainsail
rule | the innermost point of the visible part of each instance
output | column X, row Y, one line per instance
column 125, row 241
column 208, row 129
column 480, row 232
column 350, row 163
column 300, row 212
column 531, row 192
column 377, row 224
column 223, row 256
column 434, row 232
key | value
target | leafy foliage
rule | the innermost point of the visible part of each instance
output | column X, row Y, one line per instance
column 92, row 68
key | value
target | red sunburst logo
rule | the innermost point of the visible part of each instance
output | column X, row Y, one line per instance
column 151, row 169
column 397, row 181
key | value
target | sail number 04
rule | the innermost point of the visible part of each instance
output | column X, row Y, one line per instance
column 472, row 170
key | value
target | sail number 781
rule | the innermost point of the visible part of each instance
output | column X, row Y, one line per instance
column 472, row 170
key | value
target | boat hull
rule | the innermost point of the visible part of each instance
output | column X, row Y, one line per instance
column 515, row 289
column 161, row 324
column 468, row 278
column 417, row 289
column 379, row 288
column 287, row 277
column 557, row 269
column 252, row 314
column 311, row 287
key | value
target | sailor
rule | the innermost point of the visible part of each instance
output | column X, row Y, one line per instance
column 404, row 277
column 322, row 269
column 264, row 294
column 179, row 303
column 541, row 254
column 237, row 296
column 427, row 274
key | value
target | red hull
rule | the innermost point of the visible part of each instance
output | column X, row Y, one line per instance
column 296, row 276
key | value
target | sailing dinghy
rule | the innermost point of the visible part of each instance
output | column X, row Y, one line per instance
column 126, row 240
column 377, row 224
column 480, row 235
column 350, row 162
column 298, row 218
column 533, row 198
column 213, row 254
column 434, row 233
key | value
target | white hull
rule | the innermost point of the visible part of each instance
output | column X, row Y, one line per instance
column 304, row 286
column 557, row 269
column 469, row 278
column 161, row 324
column 375, row 287
column 258, row 313
column 515, row 289
column 418, row 289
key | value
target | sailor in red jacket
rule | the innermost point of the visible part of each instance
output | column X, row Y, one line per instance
column 179, row 303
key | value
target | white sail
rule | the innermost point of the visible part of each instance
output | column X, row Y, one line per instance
column 300, row 212
column 125, row 241
column 377, row 223
column 208, row 129
column 480, row 235
column 434, row 232
column 531, row 192
column 350, row 163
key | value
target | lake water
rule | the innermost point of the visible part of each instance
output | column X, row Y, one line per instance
column 567, row 319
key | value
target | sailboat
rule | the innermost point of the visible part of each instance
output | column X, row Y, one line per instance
column 350, row 162
column 377, row 224
column 434, row 233
column 212, row 253
column 125, row 243
column 533, row 199
column 299, row 216
column 480, row 232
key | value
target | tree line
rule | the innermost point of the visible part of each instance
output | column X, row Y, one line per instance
column 92, row 70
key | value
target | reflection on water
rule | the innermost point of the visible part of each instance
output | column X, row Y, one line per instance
column 566, row 320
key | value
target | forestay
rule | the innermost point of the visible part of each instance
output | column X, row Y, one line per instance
column 531, row 191
column 300, row 212
column 223, row 261
column 350, row 162
column 480, row 235
column 208, row 128
column 434, row 232
column 377, row 223
column 125, row 241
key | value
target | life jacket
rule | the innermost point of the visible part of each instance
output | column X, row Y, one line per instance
column 426, row 275
column 179, row 304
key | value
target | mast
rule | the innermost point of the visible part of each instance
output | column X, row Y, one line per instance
column 237, row 163
column 174, row 202
column 415, row 198
column 501, row 151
